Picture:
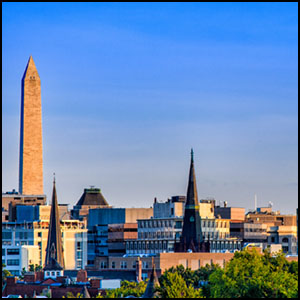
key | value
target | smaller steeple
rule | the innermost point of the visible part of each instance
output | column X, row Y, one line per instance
column 153, row 282
column 54, row 251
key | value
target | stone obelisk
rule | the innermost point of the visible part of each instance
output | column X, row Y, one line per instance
column 31, row 147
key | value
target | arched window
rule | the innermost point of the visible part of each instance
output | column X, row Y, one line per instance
column 285, row 240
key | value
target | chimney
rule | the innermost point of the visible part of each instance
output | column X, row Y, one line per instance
column 11, row 280
column 30, row 277
column 39, row 275
column 139, row 270
column 155, row 200
column 95, row 283
column 82, row 276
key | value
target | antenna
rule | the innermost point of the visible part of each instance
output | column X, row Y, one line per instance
column 255, row 202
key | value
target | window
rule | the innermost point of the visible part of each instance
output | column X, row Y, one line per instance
column 285, row 249
column 272, row 239
column 15, row 272
column 6, row 235
column 13, row 262
column 285, row 240
column 48, row 273
column 113, row 265
column 13, row 251
column 3, row 252
column 78, row 246
column 52, row 273
column 39, row 234
column 103, row 265
column 123, row 265
column 79, row 254
column 57, row 273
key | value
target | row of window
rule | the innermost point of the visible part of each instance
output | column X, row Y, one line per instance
column 155, row 234
column 10, row 251
column 155, row 223
column 123, row 265
column 12, row 262
column 147, row 245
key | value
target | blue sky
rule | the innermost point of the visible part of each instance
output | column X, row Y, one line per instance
column 129, row 88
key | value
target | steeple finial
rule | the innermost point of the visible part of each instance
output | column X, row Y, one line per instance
column 53, row 177
column 192, row 154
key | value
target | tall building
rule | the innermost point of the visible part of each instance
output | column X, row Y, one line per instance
column 31, row 148
column 54, row 250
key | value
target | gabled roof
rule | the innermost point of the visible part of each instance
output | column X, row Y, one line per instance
column 92, row 196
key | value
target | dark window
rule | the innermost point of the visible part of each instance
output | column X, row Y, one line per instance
column 13, row 251
column 3, row 252
column 6, row 235
column 13, row 262
column 272, row 239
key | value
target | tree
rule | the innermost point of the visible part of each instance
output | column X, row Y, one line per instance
column 252, row 275
column 5, row 274
column 173, row 285
column 128, row 288
column 71, row 295
column 36, row 267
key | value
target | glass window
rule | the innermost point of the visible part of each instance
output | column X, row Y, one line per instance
column 123, row 264
column 13, row 251
column 113, row 265
column 6, row 235
column 57, row 273
column 3, row 252
column 52, row 273
column 13, row 262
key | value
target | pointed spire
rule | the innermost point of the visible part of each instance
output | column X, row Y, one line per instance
column 31, row 70
column 54, row 250
column 153, row 282
column 191, row 230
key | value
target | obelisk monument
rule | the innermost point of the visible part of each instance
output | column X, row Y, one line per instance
column 31, row 147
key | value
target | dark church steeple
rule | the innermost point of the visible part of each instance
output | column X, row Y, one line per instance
column 191, row 237
column 54, row 251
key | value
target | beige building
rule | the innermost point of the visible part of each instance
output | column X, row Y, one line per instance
column 74, row 239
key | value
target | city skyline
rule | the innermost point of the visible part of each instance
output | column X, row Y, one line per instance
column 221, row 78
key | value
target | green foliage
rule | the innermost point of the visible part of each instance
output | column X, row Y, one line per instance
column 247, row 275
column 251, row 275
column 71, row 295
column 5, row 274
column 36, row 267
column 173, row 285
column 128, row 288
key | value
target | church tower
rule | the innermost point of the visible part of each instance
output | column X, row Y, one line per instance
column 191, row 236
column 31, row 149
column 54, row 262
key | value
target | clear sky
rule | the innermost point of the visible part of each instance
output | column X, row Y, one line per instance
column 129, row 88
